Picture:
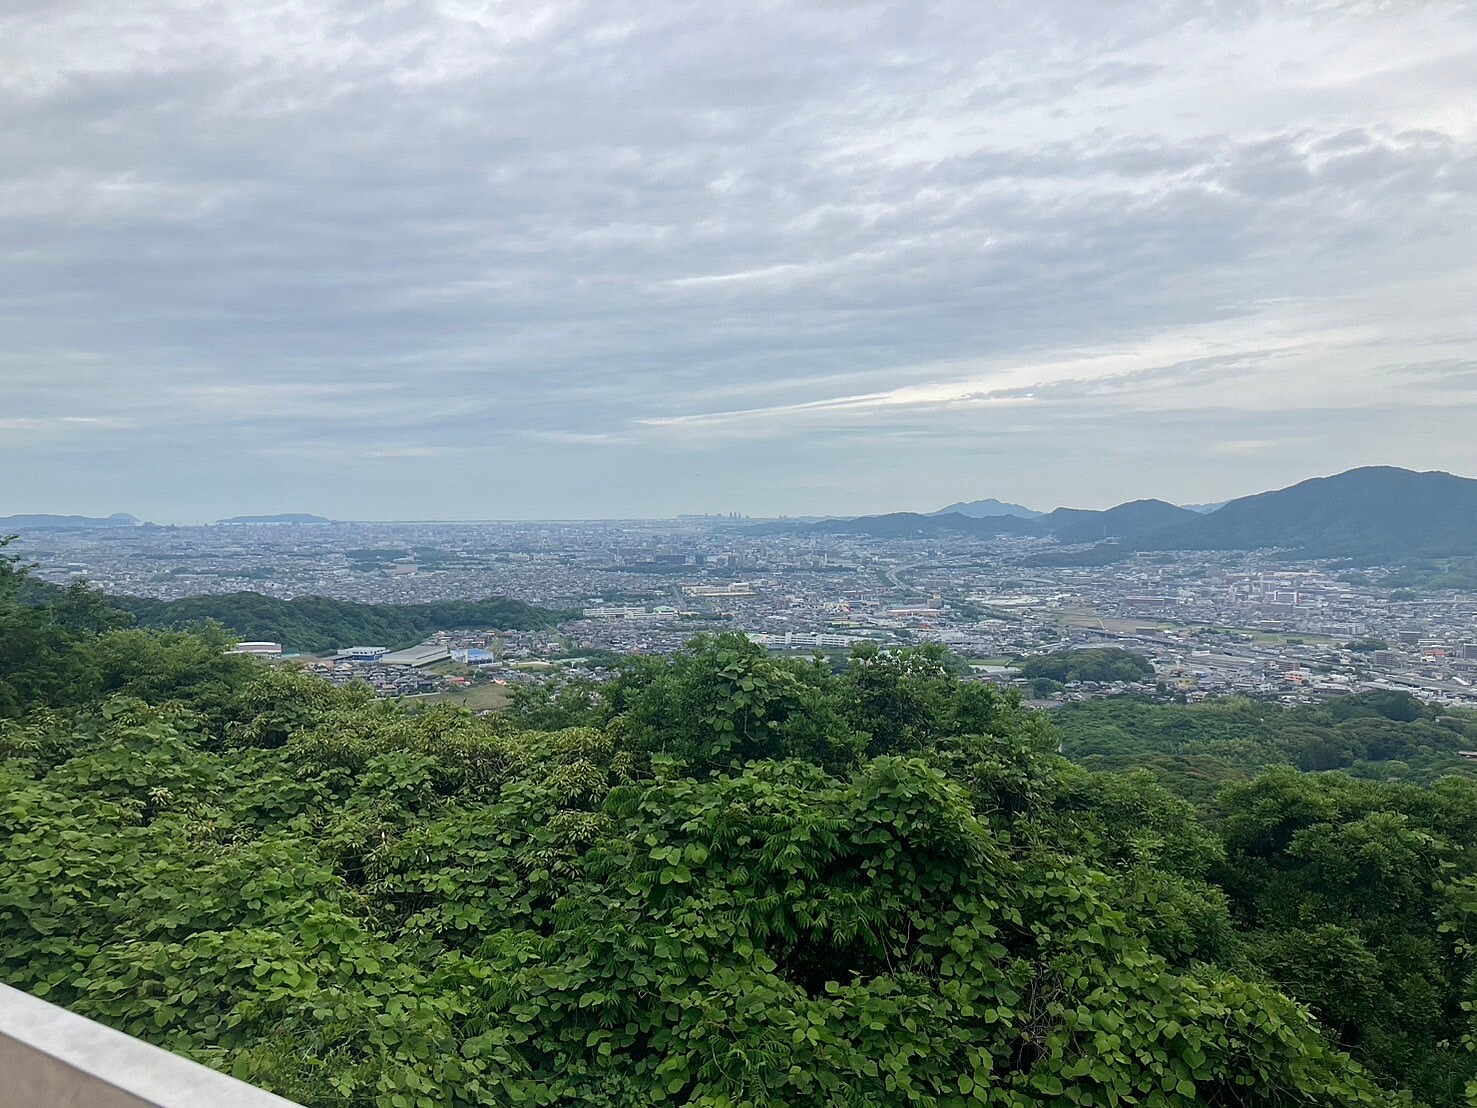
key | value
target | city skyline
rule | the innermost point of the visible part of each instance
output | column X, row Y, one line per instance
column 588, row 261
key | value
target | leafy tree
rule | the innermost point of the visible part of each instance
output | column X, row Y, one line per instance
column 1341, row 888
column 738, row 880
column 315, row 623
column 1195, row 749
column 42, row 657
column 1101, row 664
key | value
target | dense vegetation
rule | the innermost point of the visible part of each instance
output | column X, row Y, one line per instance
column 1379, row 512
column 1137, row 517
column 1196, row 749
column 1098, row 663
column 314, row 624
column 1433, row 574
column 310, row 624
column 723, row 879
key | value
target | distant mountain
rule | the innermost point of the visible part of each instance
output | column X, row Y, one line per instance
column 1137, row 517
column 985, row 509
column 1205, row 509
column 64, row 523
column 286, row 517
column 1067, row 525
column 1377, row 511
column 911, row 525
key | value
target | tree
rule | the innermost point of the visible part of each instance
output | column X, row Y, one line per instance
column 737, row 880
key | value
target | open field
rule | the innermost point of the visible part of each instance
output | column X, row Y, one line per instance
column 479, row 698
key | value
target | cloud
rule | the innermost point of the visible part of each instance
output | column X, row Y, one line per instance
column 566, row 235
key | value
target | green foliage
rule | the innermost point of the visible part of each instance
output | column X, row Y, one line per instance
column 393, row 909
column 555, row 704
column 1100, row 663
column 1375, row 512
column 1196, row 749
column 40, row 658
column 316, row 623
column 1344, row 889
column 725, row 879
column 724, row 701
column 1337, row 887
column 1424, row 575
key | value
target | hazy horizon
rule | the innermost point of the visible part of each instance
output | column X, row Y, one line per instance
column 575, row 261
column 694, row 512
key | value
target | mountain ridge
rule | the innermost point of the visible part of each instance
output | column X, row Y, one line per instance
column 45, row 522
column 1372, row 511
column 1369, row 512
column 1077, row 525
column 282, row 517
column 987, row 509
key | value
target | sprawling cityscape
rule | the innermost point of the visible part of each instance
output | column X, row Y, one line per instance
column 915, row 555
column 1210, row 623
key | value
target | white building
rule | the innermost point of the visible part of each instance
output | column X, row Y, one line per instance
column 261, row 649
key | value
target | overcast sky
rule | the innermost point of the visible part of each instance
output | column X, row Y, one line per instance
column 484, row 259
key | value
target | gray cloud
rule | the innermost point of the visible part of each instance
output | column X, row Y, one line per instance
column 332, row 255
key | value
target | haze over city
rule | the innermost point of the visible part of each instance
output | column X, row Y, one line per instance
column 462, row 260
column 783, row 554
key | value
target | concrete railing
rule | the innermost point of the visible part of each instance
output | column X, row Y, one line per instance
column 50, row 1058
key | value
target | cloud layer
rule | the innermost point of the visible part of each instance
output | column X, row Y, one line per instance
column 471, row 258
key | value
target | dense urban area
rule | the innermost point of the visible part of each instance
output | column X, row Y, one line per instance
column 1209, row 623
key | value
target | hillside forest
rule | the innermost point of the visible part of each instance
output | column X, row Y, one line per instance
column 723, row 879
column 317, row 624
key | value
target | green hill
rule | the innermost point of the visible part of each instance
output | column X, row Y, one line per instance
column 1097, row 663
column 1137, row 517
column 1196, row 749
column 983, row 509
column 316, row 623
column 1379, row 512
column 310, row 624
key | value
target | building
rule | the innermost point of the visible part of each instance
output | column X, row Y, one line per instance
column 791, row 640
column 738, row 588
column 260, row 649
column 363, row 653
column 474, row 656
column 417, row 656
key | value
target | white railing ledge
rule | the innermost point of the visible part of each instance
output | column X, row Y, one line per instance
column 51, row 1058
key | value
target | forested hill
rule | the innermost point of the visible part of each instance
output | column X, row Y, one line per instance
column 1138, row 517
column 1378, row 511
column 1098, row 663
column 722, row 878
column 313, row 624
column 1196, row 749
column 983, row 509
column 316, row 623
